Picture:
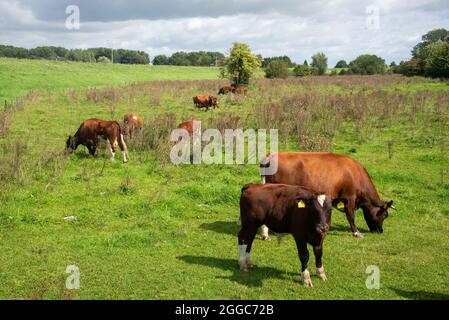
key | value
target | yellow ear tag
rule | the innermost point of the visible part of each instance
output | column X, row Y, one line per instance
column 301, row 204
column 340, row 205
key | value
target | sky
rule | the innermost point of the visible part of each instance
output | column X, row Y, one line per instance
column 342, row 29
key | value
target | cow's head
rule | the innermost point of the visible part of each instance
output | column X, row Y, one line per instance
column 214, row 101
column 71, row 144
column 319, row 211
column 375, row 214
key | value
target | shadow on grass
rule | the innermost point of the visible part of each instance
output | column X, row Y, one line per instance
column 226, row 227
column 420, row 295
column 253, row 278
column 338, row 228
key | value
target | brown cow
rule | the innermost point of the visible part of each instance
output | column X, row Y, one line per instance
column 304, row 213
column 132, row 123
column 240, row 90
column 190, row 126
column 344, row 179
column 203, row 101
column 226, row 89
column 90, row 132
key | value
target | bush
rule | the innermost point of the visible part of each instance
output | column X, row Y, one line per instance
column 319, row 61
column 341, row 64
column 103, row 59
column 276, row 69
column 410, row 68
column 302, row 70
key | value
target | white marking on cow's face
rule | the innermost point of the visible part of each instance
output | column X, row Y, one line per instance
column 134, row 117
column 305, row 278
column 321, row 198
column 242, row 257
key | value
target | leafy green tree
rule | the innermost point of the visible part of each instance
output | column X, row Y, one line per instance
column 277, row 69
column 319, row 61
column 287, row 61
column 437, row 64
column 437, row 35
column 368, row 64
column 413, row 67
column 160, row 59
column 241, row 64
column 341, row 64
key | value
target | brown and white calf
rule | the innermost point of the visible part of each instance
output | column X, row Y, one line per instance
column 91, row 131
column 132, row 123
column 285, row 209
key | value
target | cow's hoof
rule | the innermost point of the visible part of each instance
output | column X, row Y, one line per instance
column 358, row 234
column 320, row 273
column 307, row 283
column 244, row 269
column 305, row 278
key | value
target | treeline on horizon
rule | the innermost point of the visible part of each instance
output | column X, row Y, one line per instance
column 92, row 55
column 430, row 58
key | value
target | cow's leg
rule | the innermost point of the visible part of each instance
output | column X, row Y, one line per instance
column 318, row 252
column 111, row 148
column 91, row 149
column 264, row 233
column 246, row 237
column 350, row 215
column 303, row 254
column 123, row 148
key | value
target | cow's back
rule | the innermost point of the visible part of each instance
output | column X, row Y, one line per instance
column 328, row 172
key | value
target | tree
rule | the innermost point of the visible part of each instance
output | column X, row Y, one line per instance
column 240, row 66
column 319, row 61
column 437, row 64
column 285, row 59
column 277, row 69
column 437, row 35
column 341, row 64
column 413, row 67
column 161, row 59
column 368, row 64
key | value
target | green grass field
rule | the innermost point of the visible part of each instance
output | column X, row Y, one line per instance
column 150, row 230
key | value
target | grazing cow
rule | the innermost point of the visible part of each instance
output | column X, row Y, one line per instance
column 285, row 209
column 344, row 179
column 203, row 101
column 226, row 89
column 190, row 126
column 132, row 123
column 90, row 132
column 240, row 90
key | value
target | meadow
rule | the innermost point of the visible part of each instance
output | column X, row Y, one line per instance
column 149, row 229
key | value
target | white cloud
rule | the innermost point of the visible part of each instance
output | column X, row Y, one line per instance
column 338, row 28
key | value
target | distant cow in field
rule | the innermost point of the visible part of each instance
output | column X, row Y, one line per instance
column 90, row 132
column 226, row 89
column 132, row 124
column 240, row 90
column 345, row 180
column 190, row 126
column 204, row 101
column 304, row 213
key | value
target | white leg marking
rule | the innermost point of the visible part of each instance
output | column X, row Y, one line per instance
column 264, row 233
column 305, row 277
column 358, row 234
column 263, row 179
column 320, row 273
column 110, row 149
column 242, row 257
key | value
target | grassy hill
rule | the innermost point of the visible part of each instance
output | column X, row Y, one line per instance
column 149, row 229
column 17, row 77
